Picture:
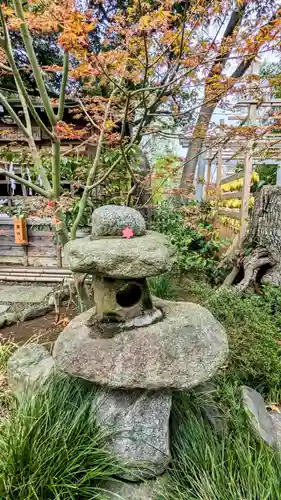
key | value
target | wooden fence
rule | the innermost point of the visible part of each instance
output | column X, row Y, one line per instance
column 224, row 216
column 40, row 250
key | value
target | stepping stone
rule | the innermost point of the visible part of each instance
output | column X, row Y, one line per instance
column 24, row 294
column 3, row 308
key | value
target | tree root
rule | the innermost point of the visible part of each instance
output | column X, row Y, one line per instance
column 259, row 257
column 229, row 280
column 272, row 276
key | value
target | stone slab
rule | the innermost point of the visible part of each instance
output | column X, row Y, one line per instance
column 119, row 258
column 181, row 351
column 259, row 418
column 276, row 423
column 24, row 294
column 3, row 308
column 139, row 424
column 115, row 490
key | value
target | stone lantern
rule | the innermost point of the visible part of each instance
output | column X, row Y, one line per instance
column 120, row 266
column 136, row 348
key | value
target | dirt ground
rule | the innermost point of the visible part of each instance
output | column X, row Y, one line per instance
column 44, row 329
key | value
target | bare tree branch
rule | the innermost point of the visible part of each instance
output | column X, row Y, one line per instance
column 26, row 183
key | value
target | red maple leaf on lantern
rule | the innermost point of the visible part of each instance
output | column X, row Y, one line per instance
column 127, row 233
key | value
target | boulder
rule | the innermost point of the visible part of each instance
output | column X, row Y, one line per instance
column 120, row 258
column 29, row 365
column 111, row 220
column 179, row 352
column 276, row 424
column 34, row 312
column 139, row 423
column 266, row 425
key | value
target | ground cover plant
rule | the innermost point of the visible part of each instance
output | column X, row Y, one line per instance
column 252, row 324
column 219, row 466
column 50, row 447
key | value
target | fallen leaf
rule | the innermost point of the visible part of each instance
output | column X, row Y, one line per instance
column 127, row 233
column 63, row 322
column 275, row 408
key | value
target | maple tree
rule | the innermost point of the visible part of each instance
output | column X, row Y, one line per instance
column 137, row 81
column 257, row 32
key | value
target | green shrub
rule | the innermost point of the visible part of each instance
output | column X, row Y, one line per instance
column 253, row 333
column 253, row 327
column 196, row 252
column 211, row 466
column 50, row 447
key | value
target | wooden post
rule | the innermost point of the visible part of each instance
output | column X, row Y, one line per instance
column 219, row 169
column 219, row 175
column 20, row 231
column 248, row 166
column 208, row 182
column 278, row 174
column 200, row 178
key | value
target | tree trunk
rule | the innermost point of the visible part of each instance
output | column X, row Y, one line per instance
column 259, row 258
column 196, row 144
column 208, row 106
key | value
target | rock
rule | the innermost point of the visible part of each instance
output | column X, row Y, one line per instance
column 3, row 308
column 258, row 415
column 28, row 294
column 116, row 490
column 276, row 424
column 11, row 318
column 34, row 312
column 30, row 364
column 51, row 301
column 179, row 352
column 119, row 258
column 139, row 422
column 110, row 220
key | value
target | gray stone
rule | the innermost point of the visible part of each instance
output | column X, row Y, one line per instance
column 11, row 318
column 116, row 490
column 276, row 424
column 140, row 257
column 30, row 365
column 34, row 312
column 183, row 350
column 3, row 308
column 51, row 301
column 258, row 416
column 139, row 422
column 110, row 220
column 28, row 294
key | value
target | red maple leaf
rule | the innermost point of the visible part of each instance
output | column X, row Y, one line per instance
column 127, row 233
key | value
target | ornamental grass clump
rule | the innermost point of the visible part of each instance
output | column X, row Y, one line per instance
column 51, row 448
column 227, row 465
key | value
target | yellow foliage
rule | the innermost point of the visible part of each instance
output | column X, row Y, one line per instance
column 237, row 185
